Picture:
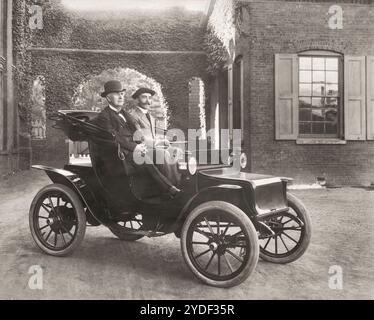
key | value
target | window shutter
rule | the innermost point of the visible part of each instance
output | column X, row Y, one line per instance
column 354, row 98
column 286, row 97
column 370, row 97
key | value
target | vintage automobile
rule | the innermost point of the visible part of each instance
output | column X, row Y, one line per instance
column 226, row 218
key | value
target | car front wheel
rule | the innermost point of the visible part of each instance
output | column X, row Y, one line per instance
column 219, row 244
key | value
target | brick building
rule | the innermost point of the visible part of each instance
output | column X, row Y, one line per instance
column 295, row 76
column 298, row 79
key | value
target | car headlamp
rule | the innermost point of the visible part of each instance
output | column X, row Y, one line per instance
column 192, row 166
column 243, row 160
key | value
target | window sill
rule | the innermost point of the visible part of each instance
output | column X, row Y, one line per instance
column 320, row 141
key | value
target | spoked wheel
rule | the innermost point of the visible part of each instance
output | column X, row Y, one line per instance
column 57, row 220
column 123, row 229
column 219, row 244
column 292, row 232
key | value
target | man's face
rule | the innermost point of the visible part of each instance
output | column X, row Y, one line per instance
column 145, row 100
column 116, row 99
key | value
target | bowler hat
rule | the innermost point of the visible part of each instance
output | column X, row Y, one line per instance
column 112, row 86
column 141, row 91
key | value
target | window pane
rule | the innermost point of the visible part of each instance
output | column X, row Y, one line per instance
column 305, row 63
column 332, row 64
column 305, row 128
column 305, row 89
column 318, row 76
column 318, row 128
column 319, row 90
column 305, row 76
column 332, row 77
column 318, row 102
column 305, row 114
column 331, row 102
column 331, row 115
column 305, row 102
column 318, row 115
column 332, row 90
column 331, row 128
column 318, row 63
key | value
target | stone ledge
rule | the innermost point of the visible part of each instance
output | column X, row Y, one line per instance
column 320, row 141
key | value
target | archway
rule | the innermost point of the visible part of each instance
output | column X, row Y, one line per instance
column 87, row 97
column 87, row 94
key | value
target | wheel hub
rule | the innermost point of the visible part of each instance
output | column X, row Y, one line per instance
column 61, row 219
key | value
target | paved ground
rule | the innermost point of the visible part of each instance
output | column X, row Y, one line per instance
column 106, row 268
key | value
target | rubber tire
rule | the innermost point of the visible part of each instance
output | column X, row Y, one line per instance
column 79, row 210
column 121, row 235
column 238, row 214
column 303, row 215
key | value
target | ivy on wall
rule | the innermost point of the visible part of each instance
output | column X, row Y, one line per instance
column 173, row 30
column 22, row 62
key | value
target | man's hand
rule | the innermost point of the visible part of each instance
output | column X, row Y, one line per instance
column 162, row 143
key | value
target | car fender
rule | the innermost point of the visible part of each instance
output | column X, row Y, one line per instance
column 231, row 193
column 73, row 181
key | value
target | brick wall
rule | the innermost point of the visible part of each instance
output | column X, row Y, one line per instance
column 271, row 27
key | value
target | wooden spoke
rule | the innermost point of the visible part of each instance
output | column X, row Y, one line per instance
column 63, row 238
column 70, row 234
column 280, row 236
column 45, row 207
column 202, row 253
column 219, row 265
column 200, row 242
column 210, row 260
column 49, row 234
column 292, row 228
column 202, row 232
column 227, row 228
column 218, row 224
column 234, row 255
column 228, row 263
column 267, row 243
column 289, row 237
column 276, row 245
column 42, row 228
column 207, row 223
column 51, row 204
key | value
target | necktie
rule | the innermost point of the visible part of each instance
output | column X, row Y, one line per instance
column 150, row 121
column 122, row 116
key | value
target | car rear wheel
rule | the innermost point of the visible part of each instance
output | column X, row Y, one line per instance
column 292, row 233
column 219, row 244
column 122, row 230
column 57, row 220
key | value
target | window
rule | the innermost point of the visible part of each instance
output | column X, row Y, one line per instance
column 320, row 102
column 310, row 103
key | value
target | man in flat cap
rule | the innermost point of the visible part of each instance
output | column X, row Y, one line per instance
column 116, row 120
column 147, row 123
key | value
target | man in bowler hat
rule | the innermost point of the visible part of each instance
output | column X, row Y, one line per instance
column 116, row 120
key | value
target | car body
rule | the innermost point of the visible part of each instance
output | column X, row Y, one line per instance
column 222, row 214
